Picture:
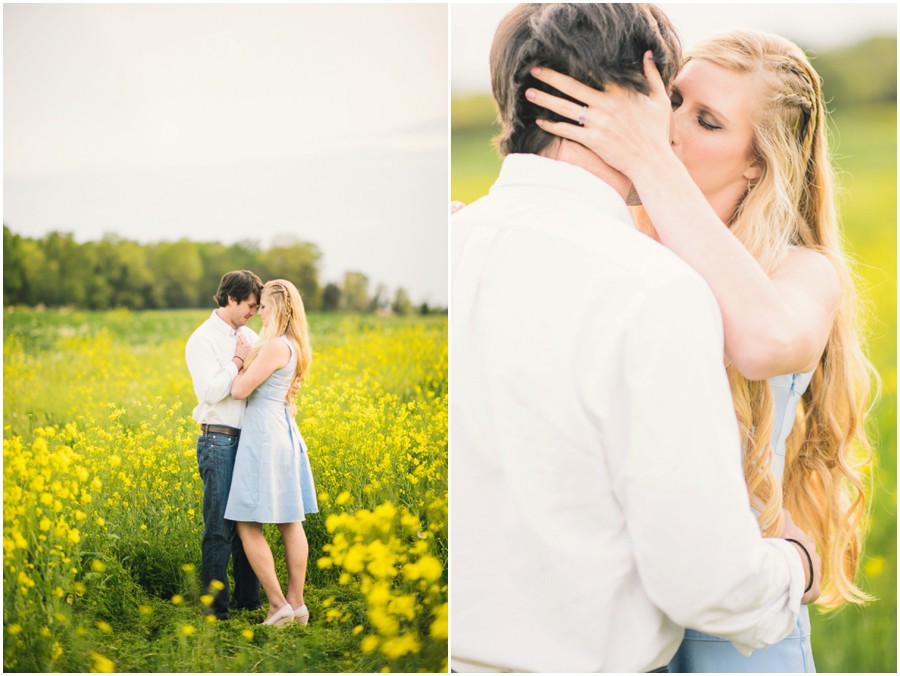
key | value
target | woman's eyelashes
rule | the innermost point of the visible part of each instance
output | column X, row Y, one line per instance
column 706, row 125
column 677, row 101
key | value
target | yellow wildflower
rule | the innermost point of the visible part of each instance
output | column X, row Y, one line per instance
column 438, row 628
column 368, row 645
column 102, row 665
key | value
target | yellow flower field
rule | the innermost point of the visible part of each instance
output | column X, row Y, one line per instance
column 102, row 518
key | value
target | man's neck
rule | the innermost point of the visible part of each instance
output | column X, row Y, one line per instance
column 222, row 314
column 576, row 154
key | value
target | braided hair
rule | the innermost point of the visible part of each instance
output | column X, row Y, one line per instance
column 793, row 204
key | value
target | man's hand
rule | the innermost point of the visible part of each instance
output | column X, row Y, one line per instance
column 242, row 349
column 791, row 531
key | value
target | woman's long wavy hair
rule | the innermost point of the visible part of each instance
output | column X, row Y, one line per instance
column 288, row 319
column 793, row 204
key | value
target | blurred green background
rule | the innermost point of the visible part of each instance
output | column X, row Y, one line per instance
column 860, row 84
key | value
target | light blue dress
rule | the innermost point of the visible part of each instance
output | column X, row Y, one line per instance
column 702, row 653
column 272, row 481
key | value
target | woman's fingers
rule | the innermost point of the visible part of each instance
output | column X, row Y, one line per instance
column 654, row 79
column 563, row 107
column 565, row 84
column 572, row 132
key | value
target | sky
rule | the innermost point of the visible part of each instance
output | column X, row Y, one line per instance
column 231, row 122
column 815, row 26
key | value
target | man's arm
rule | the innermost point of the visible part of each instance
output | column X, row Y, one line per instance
column 678, row 477
column 211, row 379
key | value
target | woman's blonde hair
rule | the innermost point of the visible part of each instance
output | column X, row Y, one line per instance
column 793, row 204
column 289, row 320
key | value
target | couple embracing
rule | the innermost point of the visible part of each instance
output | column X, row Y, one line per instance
column 656, row 364
column 251, row 456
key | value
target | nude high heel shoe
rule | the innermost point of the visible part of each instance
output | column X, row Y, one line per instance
column 282, row 617
column 301, row 615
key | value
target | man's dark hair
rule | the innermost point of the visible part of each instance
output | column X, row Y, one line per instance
column 595, row 43
column 240, row 285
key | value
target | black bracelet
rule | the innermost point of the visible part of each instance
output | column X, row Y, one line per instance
column 808, row 558
column 236, row 357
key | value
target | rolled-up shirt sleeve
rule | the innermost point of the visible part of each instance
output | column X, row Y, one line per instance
column 678, row 478
column 211, row 378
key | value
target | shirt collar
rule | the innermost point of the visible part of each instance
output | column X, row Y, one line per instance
column 532, row 171
column 221, row 325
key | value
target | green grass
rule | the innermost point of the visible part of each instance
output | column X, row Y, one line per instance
column 852, row 639
column 102, row 499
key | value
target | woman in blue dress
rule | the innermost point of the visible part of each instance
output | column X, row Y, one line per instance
column 740, row 141
column 272, row 478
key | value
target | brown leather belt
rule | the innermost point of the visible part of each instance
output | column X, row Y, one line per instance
column 220, row 429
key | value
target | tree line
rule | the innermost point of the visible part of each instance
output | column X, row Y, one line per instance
column 56, row 271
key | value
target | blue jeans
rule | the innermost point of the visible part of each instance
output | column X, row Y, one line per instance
column 215, row 460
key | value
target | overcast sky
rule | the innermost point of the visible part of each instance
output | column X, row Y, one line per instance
column 812, row 25
column 229, row 122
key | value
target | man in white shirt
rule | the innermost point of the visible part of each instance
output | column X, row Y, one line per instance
column 598, row 502
column 215, row 353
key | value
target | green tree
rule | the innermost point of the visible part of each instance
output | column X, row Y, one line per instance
column 217, row 259
column 380, row 301
column 128, row 272
column 356, row 292
column 34, row 265
column 402, row 305
column 297, row 262
column 13, row 268
column 177, row 271
column 331, row 297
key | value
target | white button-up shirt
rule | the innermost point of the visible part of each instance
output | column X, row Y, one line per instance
column 209, row 353
column 597, row 498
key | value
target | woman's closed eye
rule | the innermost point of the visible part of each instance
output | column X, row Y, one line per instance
column 706, row 124
column 677, row 102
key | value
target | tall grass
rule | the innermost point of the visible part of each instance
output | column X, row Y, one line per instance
column 102, row 518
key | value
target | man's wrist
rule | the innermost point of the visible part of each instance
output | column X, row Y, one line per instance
column 806, row 560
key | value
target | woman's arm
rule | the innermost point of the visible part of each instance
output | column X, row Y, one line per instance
column 273, row 355
column 772, row 325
